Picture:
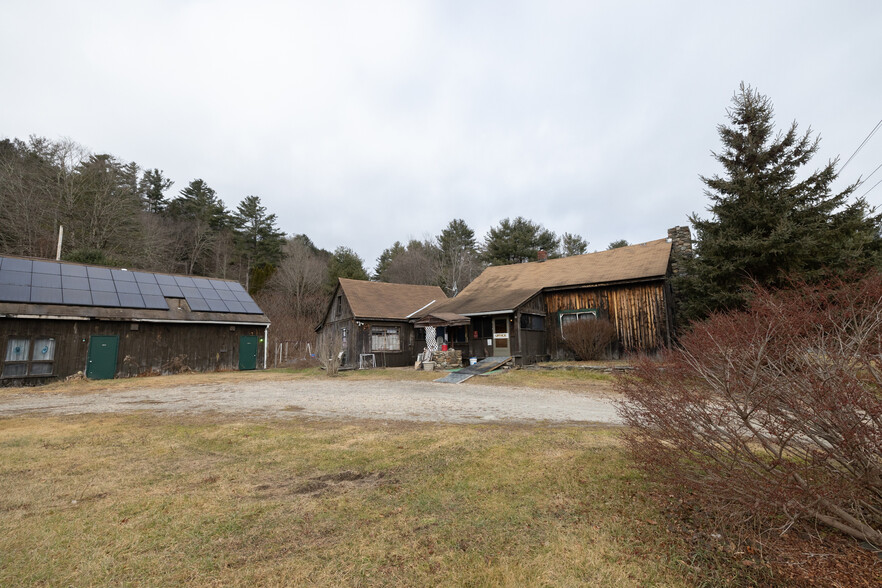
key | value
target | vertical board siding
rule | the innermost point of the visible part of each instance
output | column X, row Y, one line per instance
column 152, row 349
column 638, row 311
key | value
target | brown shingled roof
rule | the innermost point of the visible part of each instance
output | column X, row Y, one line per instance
column 505, row 287
column 389, row 301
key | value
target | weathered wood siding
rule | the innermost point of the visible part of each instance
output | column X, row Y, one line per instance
column 151, row 349
column 532, row 343
column 640, row 313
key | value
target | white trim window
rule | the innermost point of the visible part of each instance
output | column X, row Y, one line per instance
column 385, row 338
column 19, row 361
column 571, row 316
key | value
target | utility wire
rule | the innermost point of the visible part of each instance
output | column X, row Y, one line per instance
column 871, row 189
column 864, row 180
column 861, row 146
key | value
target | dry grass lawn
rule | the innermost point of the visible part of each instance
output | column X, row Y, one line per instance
column 149, row 500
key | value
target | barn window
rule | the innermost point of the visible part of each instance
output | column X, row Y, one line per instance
column 385, row 338
column 339, row 312
column 532, row 322
column 19, row 361
column 570, row 316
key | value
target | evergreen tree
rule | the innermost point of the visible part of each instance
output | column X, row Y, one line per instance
column 385, row 261
column 152, row 187
column 460, row 260
column 257, row 238
column 771, row 221
column 518, row 241
column 572, row 245
column 617, row 243
column 199, row 202
column 345, row 263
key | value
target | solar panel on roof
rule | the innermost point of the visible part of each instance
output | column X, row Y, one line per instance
column 130, row 300
column 122, row 276
column 46, row 267
column 164, row 279
column 184, row 281
column 198, row 304
column 101, row 285
column 156, row 302
column 127, row 287
column 172, row 291
column 101, row 273
column 17, row 265
column 74, row 283
column 77, row 297
column 15, row 278
column 46, row 295
column 242, row 296
column 234, row 305
column 217, row 305
column 149, row 289
column 105, row 298
column 73, row 270
column 45, row 281
column 13, row 293
column 251, row 308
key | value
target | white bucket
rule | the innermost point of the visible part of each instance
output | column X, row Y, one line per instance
column 473, row 360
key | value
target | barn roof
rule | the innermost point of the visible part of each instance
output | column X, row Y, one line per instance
column 505, row 287
column 41, row 287
column 381, row 300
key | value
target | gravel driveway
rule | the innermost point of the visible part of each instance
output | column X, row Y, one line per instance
column 383, row 400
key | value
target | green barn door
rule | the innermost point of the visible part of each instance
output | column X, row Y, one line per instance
column 101, row 364
column 248, row 352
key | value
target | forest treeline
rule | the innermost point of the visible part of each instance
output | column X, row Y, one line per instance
column 116, row 213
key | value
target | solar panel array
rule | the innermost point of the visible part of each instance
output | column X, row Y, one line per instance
column 51, row 282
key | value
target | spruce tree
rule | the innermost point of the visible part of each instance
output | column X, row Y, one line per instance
column 771, row 221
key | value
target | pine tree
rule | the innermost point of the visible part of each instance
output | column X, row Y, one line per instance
column 771, row 221
column 152, row 187
column 518, row 241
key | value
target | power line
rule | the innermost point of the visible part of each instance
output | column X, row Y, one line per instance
column 871, row 189
column 861, row 146
column 864, row 181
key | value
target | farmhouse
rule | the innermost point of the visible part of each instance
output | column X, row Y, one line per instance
column 373, row 321
column 57, row 319
column 519, row 310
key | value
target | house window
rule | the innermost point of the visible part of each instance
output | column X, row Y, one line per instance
column 339, row 312
column 344, row 332
column 21, row 361
column 385, row 338
column 532, row 322
column 571, row 316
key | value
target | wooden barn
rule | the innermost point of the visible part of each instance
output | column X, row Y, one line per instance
column 57, row 319
column 373, row 321
column 519, row 310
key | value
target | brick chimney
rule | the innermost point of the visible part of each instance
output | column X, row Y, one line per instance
column 542, row 255
column 681, row 246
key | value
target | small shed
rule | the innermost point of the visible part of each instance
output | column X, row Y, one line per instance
column 373, row 321
column 57, row 319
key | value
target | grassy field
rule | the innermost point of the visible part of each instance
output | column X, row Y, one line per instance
column 141, row 499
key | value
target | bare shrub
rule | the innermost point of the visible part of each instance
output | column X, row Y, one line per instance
column 590, row 339
column 330, row 350
column 774, row 412
column 177, row 365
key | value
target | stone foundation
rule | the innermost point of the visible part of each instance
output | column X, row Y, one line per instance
column 447, row 360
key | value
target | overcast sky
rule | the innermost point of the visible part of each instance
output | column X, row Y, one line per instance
column 362, row 123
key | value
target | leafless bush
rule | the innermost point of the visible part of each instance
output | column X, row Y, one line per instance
column 176, row 365
column 773, row 412
column 330, row 350
column 590, row 339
